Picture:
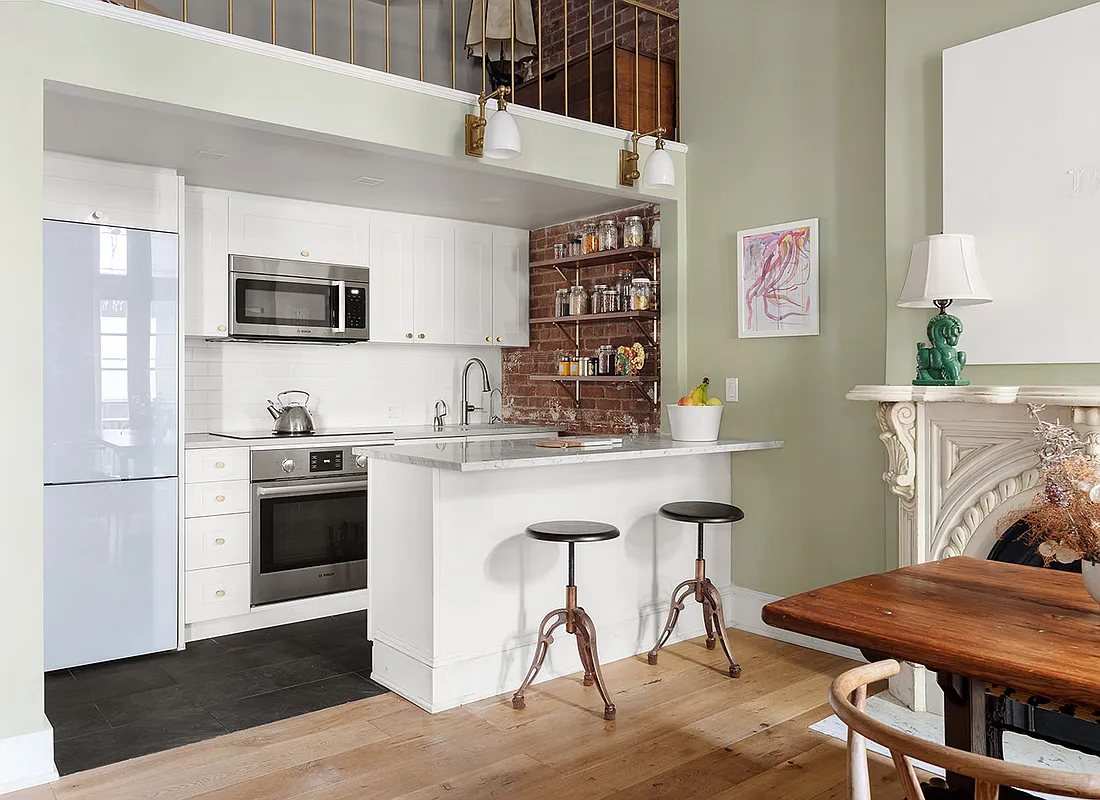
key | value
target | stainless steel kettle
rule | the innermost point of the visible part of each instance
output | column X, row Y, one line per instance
column 291, row 418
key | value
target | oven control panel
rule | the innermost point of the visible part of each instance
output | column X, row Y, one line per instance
column 291, row 463
column 326, row 460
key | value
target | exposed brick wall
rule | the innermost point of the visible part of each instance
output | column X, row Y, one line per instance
column 554, row 29
column 604, row 408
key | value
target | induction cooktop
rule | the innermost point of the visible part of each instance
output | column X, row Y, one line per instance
column 268, row 435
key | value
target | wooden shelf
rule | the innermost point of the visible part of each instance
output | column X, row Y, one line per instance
column 608, row 317
column 620, row 256
column 596, row 378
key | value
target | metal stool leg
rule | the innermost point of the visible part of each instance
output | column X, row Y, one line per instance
column 546, row 636
column 679, row 596
column 712, row 606
column 586, row 632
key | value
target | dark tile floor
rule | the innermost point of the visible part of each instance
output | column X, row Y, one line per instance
column 123, row 709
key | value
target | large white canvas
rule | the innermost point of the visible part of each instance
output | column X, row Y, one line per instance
column 1021, row 171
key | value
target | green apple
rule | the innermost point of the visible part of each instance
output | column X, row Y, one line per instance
column 714, row 401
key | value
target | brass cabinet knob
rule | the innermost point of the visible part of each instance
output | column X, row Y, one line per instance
column 421, row 336
column 219, row 541
column 220, row 498
column 408, row 336
column 97, row 215
column 305, row 253
column 219, row 465
column 488, row 338
column 221, row 328
column 500, row 338
column 220, row 593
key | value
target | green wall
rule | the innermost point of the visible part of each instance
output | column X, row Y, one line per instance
column 917, row 31
column 783, row 106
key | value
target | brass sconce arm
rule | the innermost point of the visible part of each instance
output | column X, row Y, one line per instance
column 475, row 126
column 628, row 159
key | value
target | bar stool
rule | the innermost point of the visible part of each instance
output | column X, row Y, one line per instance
column 574, row 618
column 701, row 513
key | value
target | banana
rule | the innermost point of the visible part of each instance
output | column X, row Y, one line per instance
column 698, row 395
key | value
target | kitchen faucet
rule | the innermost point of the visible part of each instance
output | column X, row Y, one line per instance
column 466, row 407
column 440, row 413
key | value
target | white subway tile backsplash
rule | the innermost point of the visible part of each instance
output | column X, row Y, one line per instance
column 227, row 384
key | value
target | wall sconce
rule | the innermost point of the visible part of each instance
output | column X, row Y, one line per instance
column 659, row 169
column 499, row 136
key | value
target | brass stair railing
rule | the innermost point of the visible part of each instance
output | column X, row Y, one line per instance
column 614, row 62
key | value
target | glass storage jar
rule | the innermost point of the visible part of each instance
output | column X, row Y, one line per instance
column 655, row 234
column 610, row 300
column 578, row 301
column 626, row 279
column 599, row 300
column 633, row 232
column 591, row 235
column 605, row 360
column 563, row 366
column 643, row 295
column 561, row 303
column 576, row 247
column 574, row 367
column 609, row 235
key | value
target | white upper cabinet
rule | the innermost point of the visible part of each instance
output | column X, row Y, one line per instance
column 392, row 277
column 473, row 299
column 272, row 227
column 206, row 263
column 511, row 288
column 434, row 282
column 76, row 189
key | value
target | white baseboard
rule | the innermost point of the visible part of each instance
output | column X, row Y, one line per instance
column 443, row 683
column 328, row 605
column 744, row 614
column 27, row 760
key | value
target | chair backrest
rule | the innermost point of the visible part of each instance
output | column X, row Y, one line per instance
column 848, row 697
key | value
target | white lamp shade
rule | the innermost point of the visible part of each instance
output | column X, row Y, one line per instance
column 944, row 267
column 502, row 136
column 659, row 170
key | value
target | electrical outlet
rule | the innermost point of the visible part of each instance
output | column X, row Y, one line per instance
column 393, row 412
column 731, row 390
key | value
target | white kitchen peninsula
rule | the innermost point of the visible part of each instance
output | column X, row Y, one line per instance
column 457, row 591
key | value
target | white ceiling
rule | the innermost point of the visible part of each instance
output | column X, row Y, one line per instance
column 284, row 162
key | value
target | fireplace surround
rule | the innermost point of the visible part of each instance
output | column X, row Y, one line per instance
column 960, row 460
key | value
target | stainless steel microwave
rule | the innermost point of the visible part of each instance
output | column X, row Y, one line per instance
column 273, row 299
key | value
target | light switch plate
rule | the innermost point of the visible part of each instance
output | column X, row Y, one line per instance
column 731, row 390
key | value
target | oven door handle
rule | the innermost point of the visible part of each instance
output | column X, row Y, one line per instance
column 341, row 307
column 326, row 487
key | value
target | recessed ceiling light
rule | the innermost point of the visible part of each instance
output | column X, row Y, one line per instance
column 367, row 180
column 210, row 155
column 492, row 199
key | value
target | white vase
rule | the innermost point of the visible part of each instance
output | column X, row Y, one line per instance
column 1090, row 570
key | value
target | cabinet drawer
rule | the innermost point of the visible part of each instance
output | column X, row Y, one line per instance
column 210, row 499
column 217, row 592
column 217, row 541
column 221, row 464
column 87, row 190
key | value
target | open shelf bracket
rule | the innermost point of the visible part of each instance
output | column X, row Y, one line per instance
column 652, row 398
column 648, row 336
column 574, row 339
column 572, row 395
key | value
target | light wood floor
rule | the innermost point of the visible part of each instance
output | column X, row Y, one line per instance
column 684, row 730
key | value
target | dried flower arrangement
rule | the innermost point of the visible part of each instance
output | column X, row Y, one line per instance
column 1064, row 518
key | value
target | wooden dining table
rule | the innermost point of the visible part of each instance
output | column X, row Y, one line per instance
column 990, row 630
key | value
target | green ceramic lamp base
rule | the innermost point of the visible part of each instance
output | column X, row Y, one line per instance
column 941, row 364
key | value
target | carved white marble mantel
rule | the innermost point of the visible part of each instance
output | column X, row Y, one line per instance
column 960, row 460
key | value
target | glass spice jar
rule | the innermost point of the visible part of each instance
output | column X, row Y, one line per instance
column 578, row 301
column 563, row 366
column 576, row 247
column 561, row 250
column 599, row 301
column 610, row 300
column 591, row 236
column 633, row 232
column 609, row 235
column 626, row 279
column 574, row 367
column 561, row 303
column 643, row 295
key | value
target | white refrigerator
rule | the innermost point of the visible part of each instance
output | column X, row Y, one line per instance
column 111, row 421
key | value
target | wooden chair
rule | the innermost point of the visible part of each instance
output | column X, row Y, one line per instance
column 848, row 697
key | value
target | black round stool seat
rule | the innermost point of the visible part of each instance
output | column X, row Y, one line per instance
column 702, row 511
column 572, row 530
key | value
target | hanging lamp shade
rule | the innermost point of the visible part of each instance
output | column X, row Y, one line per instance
column 504, row 19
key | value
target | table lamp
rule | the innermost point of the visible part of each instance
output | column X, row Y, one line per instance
column 943, row 269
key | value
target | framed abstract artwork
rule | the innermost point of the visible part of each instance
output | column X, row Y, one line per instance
column 778, row 280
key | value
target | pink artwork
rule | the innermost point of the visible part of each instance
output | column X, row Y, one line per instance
column 777, row 280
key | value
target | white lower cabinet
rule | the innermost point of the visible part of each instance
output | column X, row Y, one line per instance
column 216, row 592
column 219, row 541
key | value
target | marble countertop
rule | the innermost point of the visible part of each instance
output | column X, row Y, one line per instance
column 477, row 456
column 198, row 441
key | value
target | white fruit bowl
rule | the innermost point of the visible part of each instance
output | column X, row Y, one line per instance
column 694, row 423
